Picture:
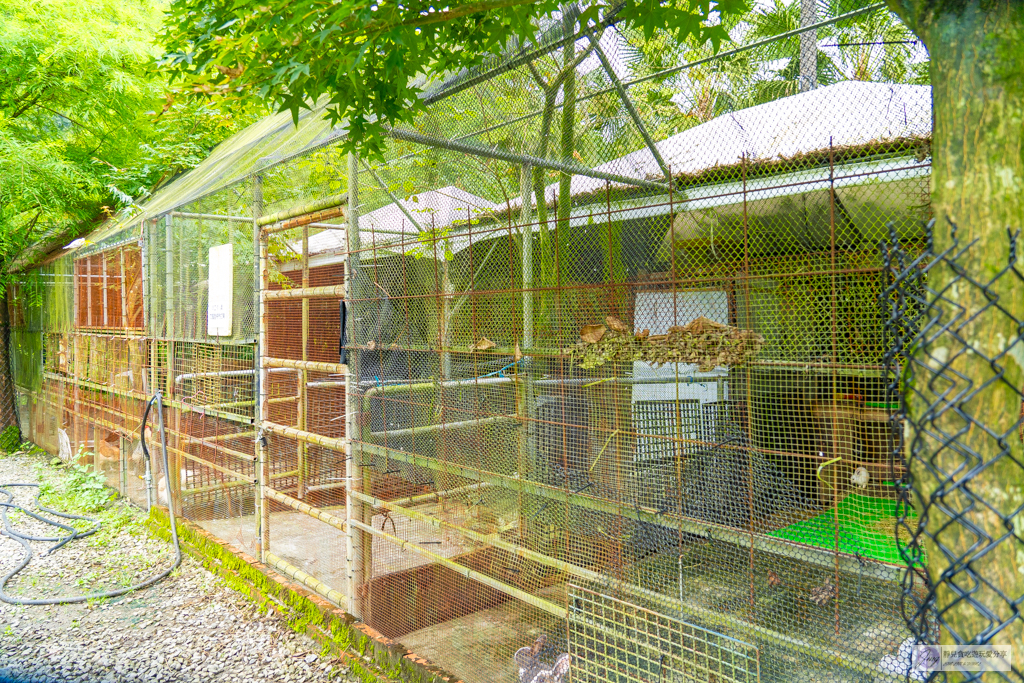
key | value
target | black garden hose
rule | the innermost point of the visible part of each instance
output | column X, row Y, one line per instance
column 73, row 534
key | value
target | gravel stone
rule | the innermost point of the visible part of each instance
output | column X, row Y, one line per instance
column 189, row 627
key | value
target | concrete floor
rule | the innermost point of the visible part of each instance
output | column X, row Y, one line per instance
column 479, row 646
column 319, row 549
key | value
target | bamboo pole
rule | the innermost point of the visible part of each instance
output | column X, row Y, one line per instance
column 304, row 292
column 355, row 540
column 308, row 208
column 315, row 366
column 321, row 588
column 302, row 376
column 196, row 441
column 262, row 377
column 339, row 445
column 306, row 509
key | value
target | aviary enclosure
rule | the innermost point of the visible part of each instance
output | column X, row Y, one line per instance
column 585, row 377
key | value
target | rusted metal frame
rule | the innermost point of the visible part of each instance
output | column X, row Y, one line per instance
column 835, row 375
column 105, row 289
column 514, row 157
column 88, row 291
column 628, row 103
column 124, row 293
column 749, row 390
column 558, row 611
column 805, row 553
column 667, row 283
column 356, row 542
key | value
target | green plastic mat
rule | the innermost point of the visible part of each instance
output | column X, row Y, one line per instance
column 865, row 527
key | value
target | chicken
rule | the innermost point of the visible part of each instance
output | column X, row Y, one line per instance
column 825, row 593
column 137, row 461
column 531, row 670
column 161, row 486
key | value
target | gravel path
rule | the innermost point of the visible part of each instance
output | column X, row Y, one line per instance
column 189, row 627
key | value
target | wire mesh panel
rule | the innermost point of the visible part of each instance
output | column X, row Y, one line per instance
column 617, row 642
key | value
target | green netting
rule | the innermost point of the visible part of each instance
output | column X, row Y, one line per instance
column 866, row 527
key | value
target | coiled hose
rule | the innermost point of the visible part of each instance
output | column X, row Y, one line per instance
column 73, row 534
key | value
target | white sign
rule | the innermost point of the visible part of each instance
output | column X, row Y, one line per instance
column 221, row 291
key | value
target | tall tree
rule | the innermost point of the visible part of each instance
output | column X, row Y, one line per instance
column 86, row 126
column 977, row 75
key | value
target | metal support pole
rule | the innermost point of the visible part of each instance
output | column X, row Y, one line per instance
column 526, row 159
column 356, row 540
column 633, row 114
column 808, row 46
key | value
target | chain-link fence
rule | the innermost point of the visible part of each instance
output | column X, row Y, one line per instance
column 956, row 346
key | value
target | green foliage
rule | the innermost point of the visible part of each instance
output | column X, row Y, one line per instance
column 10, row 439
column 82, row 490
column 367, row 58
column 87, row 126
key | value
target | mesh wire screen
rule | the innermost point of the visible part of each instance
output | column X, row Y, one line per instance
column 589, row 375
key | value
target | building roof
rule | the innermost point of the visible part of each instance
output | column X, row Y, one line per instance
column 843, row 115
column 440, row 207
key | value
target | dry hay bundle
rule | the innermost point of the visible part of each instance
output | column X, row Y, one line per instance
column 702, row 342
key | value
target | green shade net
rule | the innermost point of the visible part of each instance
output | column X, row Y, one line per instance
column 866, row 527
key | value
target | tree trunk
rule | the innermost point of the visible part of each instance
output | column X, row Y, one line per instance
column 977, row 72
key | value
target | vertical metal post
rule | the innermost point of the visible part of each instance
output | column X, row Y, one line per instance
column 302, row 374
column 353, row 403
column 262, row 466
column 808, row 46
